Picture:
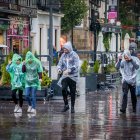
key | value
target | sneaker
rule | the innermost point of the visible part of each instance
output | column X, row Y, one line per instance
column 18, row 115
column 19, row 110
column 31, row 115
column 16, row 108
column 72, row 110
column 33, row 111
column 122, row 111
column 29, row 109
column 66, row 107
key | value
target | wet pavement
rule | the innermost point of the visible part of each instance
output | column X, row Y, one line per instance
column 97, row 117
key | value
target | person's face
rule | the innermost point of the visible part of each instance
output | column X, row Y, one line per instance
column 18, row 62
column 138, row 55
column 126, row 58
column 30, row 61
column 66, row 50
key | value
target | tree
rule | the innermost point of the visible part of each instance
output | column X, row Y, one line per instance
column 123, row 11
column 74, row 11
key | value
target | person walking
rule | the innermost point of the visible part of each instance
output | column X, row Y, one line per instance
column 17, row 81
column 138, row 77
column 68, row 66
column 128, row 66
column 33, row 76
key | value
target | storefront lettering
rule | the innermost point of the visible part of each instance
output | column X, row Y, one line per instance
column 14, row 7
column 29, row 12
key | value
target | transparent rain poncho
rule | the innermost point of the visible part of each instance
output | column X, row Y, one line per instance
column 15, row 71
column 32, row 70
column 129, row 69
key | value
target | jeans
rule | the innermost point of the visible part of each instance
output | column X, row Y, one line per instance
column 67, row 82
column 138, row 90
column 30, row 93
column 126, row 87
column 20, row 93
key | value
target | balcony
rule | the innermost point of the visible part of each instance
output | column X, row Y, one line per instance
column 40, row 4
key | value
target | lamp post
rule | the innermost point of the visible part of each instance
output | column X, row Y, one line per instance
column 51, row 32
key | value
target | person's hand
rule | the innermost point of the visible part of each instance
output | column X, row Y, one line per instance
column 23, row 62
column 40, row 80
column 66, row 72
column 59, row 71
column 120, row 57
column 130, row 59
column 9, row 62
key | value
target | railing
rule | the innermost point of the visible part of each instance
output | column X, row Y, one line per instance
column 40, row 4
column 103, row 57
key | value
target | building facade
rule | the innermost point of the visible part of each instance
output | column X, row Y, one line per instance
column 25, row 24
column 83, row 37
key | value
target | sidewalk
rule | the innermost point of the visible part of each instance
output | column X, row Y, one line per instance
column 97, row 117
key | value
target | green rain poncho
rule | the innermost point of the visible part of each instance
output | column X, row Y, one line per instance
column 32, row 70
column 15, row 71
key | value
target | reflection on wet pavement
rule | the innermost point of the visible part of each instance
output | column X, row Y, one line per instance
column 97, row 117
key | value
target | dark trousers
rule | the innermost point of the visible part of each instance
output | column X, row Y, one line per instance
column 125, row 88
column 14, row 97
column 67, row 82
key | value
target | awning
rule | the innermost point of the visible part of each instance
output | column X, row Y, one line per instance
column 3, row 46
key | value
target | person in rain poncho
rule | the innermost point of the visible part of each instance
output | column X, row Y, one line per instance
column 33, row 76
column 17, row 81
column 138, row 77
column 128, row 66
column 69, row 67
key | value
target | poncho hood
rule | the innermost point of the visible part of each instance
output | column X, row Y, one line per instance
column 127, row 53
column 15, row 58
column 29, row 56
column 68, row 46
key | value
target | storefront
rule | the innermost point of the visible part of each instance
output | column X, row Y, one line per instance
column 18, row 34
column 3, row 28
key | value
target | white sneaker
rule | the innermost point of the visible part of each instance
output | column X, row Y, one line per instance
column 31, row 115
column 29, row 109
column 19, row 110
column 16, row 108
column 33, row 111
column 18, row 115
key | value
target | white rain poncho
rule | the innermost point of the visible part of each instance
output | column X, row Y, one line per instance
column 70, row 62
column 129, row 68
column 138, row 76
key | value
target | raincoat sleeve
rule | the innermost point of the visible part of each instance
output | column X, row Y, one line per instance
column 60, row 63
column 122, row 64
column 118, row 65
column 136, row 66
column 9, row 68
column 75, row 64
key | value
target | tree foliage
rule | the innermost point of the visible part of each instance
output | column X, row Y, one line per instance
column 74, row 11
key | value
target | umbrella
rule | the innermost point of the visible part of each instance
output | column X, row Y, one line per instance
column 126, row 41
column 3, row 46
column 100, row 45
column 113, row 43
